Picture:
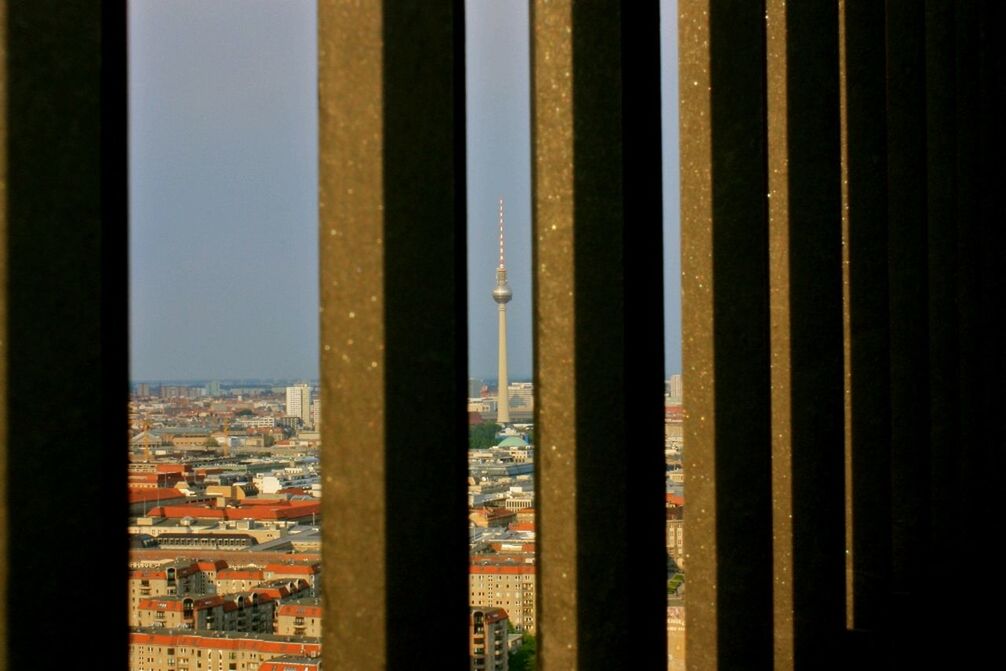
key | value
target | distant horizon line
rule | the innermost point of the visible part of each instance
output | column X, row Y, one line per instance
column 298, row 378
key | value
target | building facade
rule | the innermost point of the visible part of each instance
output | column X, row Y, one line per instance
column 298, row 402
column 299, row 618
column 510, row 585
column 179, row 650
column 487, row 635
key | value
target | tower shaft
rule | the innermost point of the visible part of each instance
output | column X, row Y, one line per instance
column 502, row 296
column 502, row 396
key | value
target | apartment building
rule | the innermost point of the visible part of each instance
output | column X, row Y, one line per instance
column 504, row 583
column 169, row 579
column 491, row 517
column 179, row 650
column 251, row 613
column 519, row 500
column 239, row 579
column 301, row 617
column 293, row 572
column 487, row 634
column 298, row 402
column 291, row 663
column 182, row 612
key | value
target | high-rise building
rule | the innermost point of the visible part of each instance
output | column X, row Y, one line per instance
column 487, row 636
column 506, row 583
column 502, row 296
column 316, row 413
column 520, row 397
column 213, row 388
column 298, row 402
column 675, row 390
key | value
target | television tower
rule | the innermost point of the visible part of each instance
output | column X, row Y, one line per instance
column 502, row 296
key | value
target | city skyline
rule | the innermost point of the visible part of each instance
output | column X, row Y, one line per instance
column 223, row 203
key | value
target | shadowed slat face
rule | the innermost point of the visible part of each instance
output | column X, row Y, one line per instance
column 393, row 330
column 598, row 332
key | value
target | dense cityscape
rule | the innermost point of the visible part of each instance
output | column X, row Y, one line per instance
column 225, row 493
column 225, row 489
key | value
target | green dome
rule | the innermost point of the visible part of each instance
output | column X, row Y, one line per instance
column 513, row 441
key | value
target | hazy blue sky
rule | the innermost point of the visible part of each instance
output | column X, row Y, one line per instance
column 223, row 253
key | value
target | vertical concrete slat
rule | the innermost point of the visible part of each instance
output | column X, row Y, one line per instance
column 598, row 298
column 908, row 286
column 808, row 405
column 968, row 148
column 645, row 562
column 725, row 311
column 942, row 271
column 4, row 419
column 393, row 336
column 554, row 330
column 986, row 451
column 66, row 335
column 868, row 429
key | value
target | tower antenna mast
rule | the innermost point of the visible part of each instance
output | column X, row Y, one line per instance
column 502, row 296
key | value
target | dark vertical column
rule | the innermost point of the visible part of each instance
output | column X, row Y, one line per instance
column 725, row 311
column 392, row 232
column 968, row 103
column 985, row 456
column 618, row 341
column 598, row 298
column 67, row 379
column 740, row 340
column 866, row 162
column 643, row 329
column 4, row 330
column 941, row 231
column 907, row 239
column 806, row 229
column 426, row 347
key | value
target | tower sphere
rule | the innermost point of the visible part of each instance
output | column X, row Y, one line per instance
column 502, row 293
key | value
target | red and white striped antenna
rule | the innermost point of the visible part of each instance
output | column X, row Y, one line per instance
column 501, row 233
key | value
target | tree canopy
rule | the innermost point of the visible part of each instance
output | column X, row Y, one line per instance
column 525, row 659
column 482, row 435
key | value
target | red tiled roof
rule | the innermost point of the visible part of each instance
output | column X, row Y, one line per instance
column 675, row 500
column 173, row 468
column 154, row 493
column 239, row 574
column 273, row 592
column 289, row 666
column 211, row 642
column 271, row 510
column 188, row 510
column 519, row 569
column 300, row 611
column 492, row 615
column 293, row 490
column 207, row 565
column 293, row 569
